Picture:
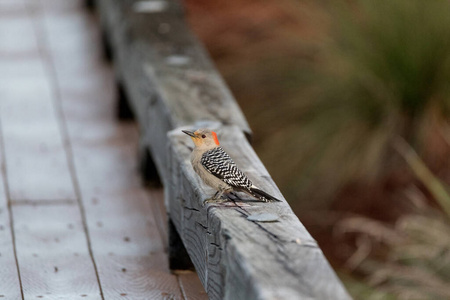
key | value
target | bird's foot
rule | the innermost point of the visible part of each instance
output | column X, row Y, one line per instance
column 215, row 200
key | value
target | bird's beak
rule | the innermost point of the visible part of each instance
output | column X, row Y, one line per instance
column 190, row 133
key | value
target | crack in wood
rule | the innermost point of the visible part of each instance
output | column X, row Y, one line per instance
column 191, row 208
column 216, row 245
column 201, row 225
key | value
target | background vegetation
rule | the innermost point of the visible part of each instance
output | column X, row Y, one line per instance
column 349, row 103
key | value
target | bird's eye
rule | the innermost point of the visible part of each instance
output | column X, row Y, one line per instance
column 203, row 136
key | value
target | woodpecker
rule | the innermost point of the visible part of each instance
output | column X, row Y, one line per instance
column 216, row 168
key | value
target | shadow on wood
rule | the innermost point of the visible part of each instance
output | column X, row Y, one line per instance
column 178, row 257
column 89, row 4
column 123, row 109
column 106, row 46
column 147, row 168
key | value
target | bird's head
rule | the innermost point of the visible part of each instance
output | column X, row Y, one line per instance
column 203, row 138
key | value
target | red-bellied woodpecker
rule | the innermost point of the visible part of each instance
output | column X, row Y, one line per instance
column 216, row 168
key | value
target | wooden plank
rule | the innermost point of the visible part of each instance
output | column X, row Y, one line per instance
column 191, row 286
column 36, row 161
column 128, row 249
column 10, row 287
column 126, row 241
column 241, row 259
column 159, row 213
column 50, row 241
column 16, row 32
column 53, row 253
column 35, row 157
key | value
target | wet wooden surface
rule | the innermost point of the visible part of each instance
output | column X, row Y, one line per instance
column 75, row 221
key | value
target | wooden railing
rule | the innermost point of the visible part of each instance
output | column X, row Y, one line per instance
column 170, row 84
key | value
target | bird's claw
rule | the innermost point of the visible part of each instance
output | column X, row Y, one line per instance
column 214, row 200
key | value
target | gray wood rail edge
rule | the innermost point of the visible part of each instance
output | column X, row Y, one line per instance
column 171, row 84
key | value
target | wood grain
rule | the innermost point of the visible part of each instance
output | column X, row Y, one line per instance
column 159, row 213
column 10, row 287
column 126, row 242
column 191, row 286
column 35, row 158
column 53, row 253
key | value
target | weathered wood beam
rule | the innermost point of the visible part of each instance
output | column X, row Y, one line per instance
column 235, row 257
column 171, row 84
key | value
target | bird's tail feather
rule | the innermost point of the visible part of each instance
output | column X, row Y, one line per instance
column 262, row 195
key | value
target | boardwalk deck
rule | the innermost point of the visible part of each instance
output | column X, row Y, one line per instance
column 75, row 221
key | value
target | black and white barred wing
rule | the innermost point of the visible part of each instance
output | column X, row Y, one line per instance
column 220, row 164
